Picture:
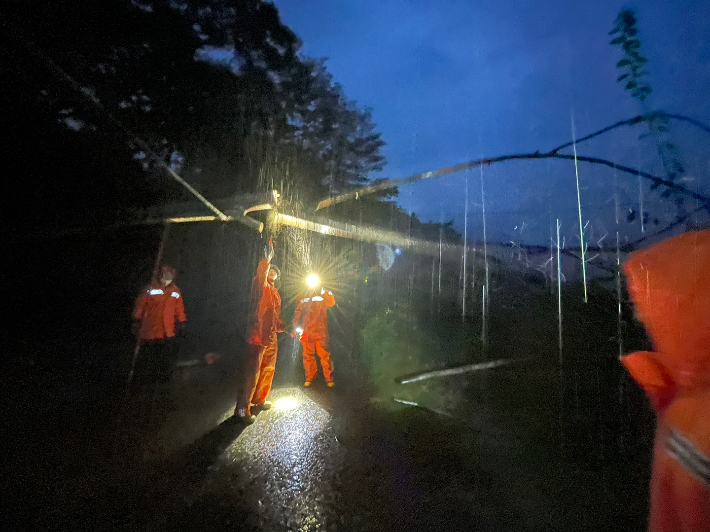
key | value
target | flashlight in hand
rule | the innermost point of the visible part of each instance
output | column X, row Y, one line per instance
column 312, row 281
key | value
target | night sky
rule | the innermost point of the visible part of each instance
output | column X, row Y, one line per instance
column 454, row 80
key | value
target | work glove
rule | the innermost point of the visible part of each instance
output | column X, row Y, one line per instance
column 269, row 250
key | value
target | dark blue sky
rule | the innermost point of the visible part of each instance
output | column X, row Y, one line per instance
column 452, row 80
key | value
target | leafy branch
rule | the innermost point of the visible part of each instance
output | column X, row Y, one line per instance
column 633, row 77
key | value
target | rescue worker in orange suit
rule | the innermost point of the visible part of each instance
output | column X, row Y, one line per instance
column 310, row 322
column 158, row 316
column 262, row 342
column 670, row 289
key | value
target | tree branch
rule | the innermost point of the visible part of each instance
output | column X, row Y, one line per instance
column 447, row 170
column 689, row 120
column 632, row 122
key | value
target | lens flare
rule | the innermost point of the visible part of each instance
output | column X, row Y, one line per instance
column 312, row 280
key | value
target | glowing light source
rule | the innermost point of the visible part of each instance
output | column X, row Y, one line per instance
column 286, row 403
column 312, row 280
column 299, row 330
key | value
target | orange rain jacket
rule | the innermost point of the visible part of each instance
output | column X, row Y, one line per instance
column 265, row 316
column 669, row 285
column 158, row 308
column 312, row 315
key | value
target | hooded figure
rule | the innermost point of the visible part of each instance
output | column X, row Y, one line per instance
column 262, row 341
column 670, row 289
column 310, row 320
column 158, row 316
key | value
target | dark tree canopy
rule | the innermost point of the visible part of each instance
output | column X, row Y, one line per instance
column 82, row 74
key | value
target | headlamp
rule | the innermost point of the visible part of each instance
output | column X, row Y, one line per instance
column 312, row 280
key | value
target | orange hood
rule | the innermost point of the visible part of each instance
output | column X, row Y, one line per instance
column 669, row 284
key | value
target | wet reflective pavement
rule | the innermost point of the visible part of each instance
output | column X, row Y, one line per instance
column 286, row 465
column 319, row 460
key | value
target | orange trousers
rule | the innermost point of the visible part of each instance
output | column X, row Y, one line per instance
column 311, row 346
column 259, row 369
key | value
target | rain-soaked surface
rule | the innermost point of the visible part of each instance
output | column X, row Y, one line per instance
column 481, row 305
column 319, row 459
column 288, row 464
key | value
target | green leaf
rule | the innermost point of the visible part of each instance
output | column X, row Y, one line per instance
column 631, row 84
column 618, row 40
column 623, row 62
column 622, row 77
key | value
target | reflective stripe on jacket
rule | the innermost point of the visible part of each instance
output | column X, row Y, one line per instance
column 158, row 308
column 670, row 288
column 312, row 314
column 680, row 484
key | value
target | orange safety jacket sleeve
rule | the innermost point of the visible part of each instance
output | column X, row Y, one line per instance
column 311, row 315
column 680, row 483
column 178, row 305
column 328, row 298
column 670, row 288
column 159, row 322
column 265, row 312
column 139, row 309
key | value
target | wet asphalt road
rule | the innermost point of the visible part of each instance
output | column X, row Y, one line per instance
column 319, row 460
column 286, row 467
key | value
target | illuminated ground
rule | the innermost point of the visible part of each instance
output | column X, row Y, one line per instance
column 285, row 464
column 319, row 460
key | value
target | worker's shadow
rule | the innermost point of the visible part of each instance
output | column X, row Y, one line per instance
column 188, row 468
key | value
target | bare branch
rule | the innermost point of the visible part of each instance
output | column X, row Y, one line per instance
column 447, row 170
column 632, row 122
column 687, row 119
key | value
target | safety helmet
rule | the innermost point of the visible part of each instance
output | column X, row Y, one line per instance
column 276, row 269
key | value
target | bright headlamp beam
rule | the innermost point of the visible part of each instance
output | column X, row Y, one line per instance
column 312, row 280
column 371, row 234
